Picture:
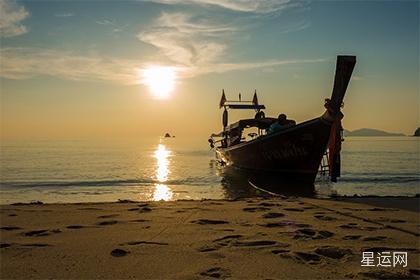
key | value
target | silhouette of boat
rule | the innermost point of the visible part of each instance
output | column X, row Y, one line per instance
column 293, row 153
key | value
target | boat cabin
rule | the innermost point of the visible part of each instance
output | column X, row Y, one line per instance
column 233, row 134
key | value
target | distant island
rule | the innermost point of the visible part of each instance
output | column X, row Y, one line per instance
column 370, row 132
column 417, row 132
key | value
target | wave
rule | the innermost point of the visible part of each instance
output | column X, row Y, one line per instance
column 387, row 179
column 196, row 181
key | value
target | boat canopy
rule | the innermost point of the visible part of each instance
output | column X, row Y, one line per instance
column 245, row 106
column 262, row 123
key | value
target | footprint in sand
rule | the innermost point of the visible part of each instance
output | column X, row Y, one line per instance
column 139, row 221
column 227, row 229
column 310, row 233
column 381, row 209
column 256, row 243
column 43, row 232
column 145, row 209
column 216, row 272
column 107, row 223
column 268, row 204
column 325, row 218
column 36, row 245
column 307, row 257
column 276, row 224
column 206, row 248
column 280, row 251
column 294, row 209
column 306, row 231
column 322, row 234
column 10, row 228
column 131, row 243
column 374, row 238
column 108, row 216
column 397, row 221
column 256, row 209
column 352, row 237
column 209, row 222
column 272, row 215
column 75, row 227
column 119, row 253
column 227, row 240
column 350, row 226
column 333, row 252
column 228, row 237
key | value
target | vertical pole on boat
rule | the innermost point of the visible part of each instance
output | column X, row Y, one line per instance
column 343, row 72
column 334, row 157
column 222, row 99
column 224, row 117
column 255, row 98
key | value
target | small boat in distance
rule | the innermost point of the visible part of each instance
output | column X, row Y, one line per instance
column 294, row 152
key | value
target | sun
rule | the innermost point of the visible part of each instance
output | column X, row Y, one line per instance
column 160, row 80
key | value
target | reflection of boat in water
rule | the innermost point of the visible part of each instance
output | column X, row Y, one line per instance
column 239, row 183
column 293, row 153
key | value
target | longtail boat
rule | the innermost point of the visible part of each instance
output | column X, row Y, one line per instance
column 294, row 152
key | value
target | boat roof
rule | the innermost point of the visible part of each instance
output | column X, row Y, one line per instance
column 261, row 123
column 245, row 106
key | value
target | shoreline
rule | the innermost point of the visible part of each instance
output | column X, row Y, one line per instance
column 408, row 203
column 252, row 238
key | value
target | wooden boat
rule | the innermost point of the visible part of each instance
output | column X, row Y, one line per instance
column 293, row 153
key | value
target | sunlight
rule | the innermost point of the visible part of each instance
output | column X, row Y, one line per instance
column 162, row 192
column 162, row 171
column 160, row 80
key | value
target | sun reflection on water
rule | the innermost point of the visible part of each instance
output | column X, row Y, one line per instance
column 162, row 191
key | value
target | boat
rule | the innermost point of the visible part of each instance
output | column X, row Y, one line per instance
column 293, row 153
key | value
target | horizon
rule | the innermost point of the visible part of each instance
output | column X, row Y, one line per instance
column 129, row 69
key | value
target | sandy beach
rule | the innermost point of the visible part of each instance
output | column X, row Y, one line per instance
column 275, row 238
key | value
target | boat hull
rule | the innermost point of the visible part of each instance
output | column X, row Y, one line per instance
column 292, row 154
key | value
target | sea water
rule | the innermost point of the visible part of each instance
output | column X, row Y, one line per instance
column 176, row 168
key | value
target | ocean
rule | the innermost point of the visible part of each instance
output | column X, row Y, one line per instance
column 176, row 168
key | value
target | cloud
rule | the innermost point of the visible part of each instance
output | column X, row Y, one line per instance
column 64, row 15
column 191, row 45
column 261, row 7
column 24, row 63
column 197, row 46
column 185, row 41
column 104, row 22
column 115, row 27
column 11, row 14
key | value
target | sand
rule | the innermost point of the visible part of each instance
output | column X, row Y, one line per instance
column 275, row 238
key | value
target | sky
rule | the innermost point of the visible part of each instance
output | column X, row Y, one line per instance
column 129, row 69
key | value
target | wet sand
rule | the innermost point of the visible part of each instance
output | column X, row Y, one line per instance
column 276, row 238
